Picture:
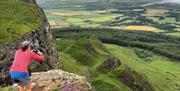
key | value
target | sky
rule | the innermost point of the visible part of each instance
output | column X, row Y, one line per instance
column 162, row 2
column 171, row 1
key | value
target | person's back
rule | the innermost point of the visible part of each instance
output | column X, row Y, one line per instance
column 19, row 69
column 22, row 59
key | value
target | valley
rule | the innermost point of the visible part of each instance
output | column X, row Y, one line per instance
column 145, row 39
column 113, row 13
column 162, row 71
column 110, row 45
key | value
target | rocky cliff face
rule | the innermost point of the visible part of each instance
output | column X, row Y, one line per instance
column 42, row 39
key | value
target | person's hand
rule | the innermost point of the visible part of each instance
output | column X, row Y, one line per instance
column 40, row 53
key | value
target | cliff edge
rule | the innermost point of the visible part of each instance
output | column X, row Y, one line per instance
column 35, row 29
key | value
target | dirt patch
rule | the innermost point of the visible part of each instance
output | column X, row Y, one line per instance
column 156, row 11
column 142, row 28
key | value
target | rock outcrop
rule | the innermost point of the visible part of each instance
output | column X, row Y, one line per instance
column 111, row 63
column 136, row 81
column 59, row 80
column 42, row 39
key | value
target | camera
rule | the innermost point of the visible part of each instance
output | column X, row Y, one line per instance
column 35, row 50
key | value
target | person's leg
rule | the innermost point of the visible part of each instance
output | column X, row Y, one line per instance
column 20, row 86
column 28, row 87
column 26, row 83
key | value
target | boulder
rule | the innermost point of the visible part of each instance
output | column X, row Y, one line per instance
column 58, row 79
column 111, row 63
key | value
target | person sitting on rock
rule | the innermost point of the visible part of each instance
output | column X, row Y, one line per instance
column 19, row 69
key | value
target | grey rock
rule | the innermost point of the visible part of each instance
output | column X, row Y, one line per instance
column 46, row 81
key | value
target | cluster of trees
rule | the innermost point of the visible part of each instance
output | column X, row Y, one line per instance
column 143, row 53
column 175, row 15
column 155, row 42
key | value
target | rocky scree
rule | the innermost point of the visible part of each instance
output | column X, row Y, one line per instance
column 46, row 81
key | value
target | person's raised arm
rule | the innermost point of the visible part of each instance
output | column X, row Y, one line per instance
column 37, row 56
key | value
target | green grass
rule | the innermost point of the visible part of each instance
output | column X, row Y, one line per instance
column 107, row 83
column 78, row 50
column 71, row 65
column 162, row 73
column 16, row 89
column 176, row 34
column 8, row 89
column 18, row 18
column 103, row 18
column 76, row 59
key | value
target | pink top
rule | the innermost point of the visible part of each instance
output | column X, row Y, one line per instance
column 22, row 59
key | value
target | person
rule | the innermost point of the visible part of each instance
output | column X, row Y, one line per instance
column 19, row 69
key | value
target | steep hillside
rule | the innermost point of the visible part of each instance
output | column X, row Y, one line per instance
column 18, row 18
column 139, row 68
column 19, row 21
column 89, row 57
column 80, row 54
column 162, row 73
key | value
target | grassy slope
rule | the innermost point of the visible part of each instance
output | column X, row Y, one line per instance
column 8, row 89
column 163, row 74
column 77, row 60
column 17, row 18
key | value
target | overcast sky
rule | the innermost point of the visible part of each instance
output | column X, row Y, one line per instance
column 171, row 1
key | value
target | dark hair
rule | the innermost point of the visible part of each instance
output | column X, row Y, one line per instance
column 24, row 48
column 25, row 45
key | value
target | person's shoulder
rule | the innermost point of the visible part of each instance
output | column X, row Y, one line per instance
column 19, row 50
column 28, row 51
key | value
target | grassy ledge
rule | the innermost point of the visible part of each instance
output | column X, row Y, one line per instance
column 17, row 18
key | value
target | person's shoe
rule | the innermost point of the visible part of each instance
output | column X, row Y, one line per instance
column 15, row 85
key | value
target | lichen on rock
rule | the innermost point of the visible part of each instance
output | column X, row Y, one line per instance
column 111, row 63
column 46, row 81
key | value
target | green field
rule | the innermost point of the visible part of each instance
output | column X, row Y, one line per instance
column 112, row 14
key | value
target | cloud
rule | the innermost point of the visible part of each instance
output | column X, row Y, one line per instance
column 170, row 1
column 162, row 2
